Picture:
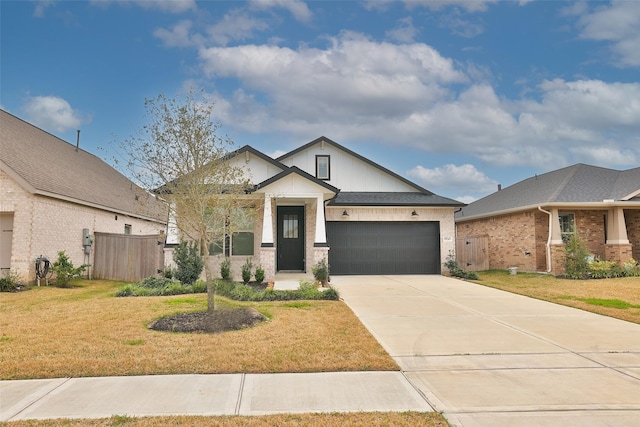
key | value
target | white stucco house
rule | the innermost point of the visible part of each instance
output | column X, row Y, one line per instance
column 324, row 201
column 54, row 196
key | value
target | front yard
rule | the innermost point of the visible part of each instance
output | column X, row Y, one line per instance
column 619, row 298
column 50, row 332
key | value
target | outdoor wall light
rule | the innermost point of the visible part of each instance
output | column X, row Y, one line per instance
column 414, row 213
column 345, row 213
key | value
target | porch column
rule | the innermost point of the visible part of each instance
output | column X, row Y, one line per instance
column 320, row 246
column 321, row 230
column 267, row 249
column 556, row 235
column 616, row 227
column 267, row 223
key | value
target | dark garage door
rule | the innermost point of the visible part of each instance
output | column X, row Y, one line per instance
column 384, row 247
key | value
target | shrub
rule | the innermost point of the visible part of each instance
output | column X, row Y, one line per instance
column 65, row 271
column 576, row 260
column 188, row 261
column 10, row 282
column 246, row 271
column 153, row 282
column 631, row 268
column 225, row 269
column 321, row 272
column 456, row 271
column 259, row 274
column 241, row 292
column 199, row 287
column 603, row 269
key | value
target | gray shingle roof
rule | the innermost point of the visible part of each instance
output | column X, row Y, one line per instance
column 579, row 183
column 52, row 167
column 391, row 199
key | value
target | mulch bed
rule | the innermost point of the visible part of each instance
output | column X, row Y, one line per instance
column 214, row 322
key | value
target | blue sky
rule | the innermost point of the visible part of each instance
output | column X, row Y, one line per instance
column 458, row 96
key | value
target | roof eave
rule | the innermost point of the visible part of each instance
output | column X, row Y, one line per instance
column 605, row 204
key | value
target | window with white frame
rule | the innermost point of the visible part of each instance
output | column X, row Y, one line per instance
column 323, row 167
column 238, row 236
column 567, row 225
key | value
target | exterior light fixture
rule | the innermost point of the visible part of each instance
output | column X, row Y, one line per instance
column 414, row 213
column 345, row 213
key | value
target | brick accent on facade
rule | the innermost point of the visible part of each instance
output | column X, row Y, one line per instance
column 632, row 219
column 45, row 226
column 512, row 236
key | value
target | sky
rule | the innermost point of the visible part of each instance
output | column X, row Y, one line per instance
column 457, row 96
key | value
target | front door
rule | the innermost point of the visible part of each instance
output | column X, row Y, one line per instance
column 290, row 238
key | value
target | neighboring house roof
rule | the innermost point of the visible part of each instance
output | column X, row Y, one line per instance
column 391, row 199
column 46, row 165
column 358, row 156
column 573, row 185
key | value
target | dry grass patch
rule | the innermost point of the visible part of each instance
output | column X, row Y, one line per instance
column 360, row 419
column 52, row 332
column 619, row 298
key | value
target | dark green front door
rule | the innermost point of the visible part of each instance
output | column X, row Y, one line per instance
column 290, row 238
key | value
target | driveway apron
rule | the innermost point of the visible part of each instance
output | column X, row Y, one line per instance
column 485, row 357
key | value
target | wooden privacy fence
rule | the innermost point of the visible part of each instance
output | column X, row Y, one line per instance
column 472, row 252
column 127, row 257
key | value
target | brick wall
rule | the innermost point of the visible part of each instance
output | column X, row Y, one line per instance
column 591, row 227
column 512, row 239
column 45, row 226
column 632, row 219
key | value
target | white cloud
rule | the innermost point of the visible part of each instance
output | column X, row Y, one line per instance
column 405, row 32
column 52, row 113
column 452, row 177
column 235, row 25
column 41, row 6
column 619, row 24
column 177, row 36
column 169, row 6
column 298, row 9
column 358, row 89
column 467, row 5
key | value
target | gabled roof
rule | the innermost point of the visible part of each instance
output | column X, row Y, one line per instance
column 573, row 185
column 391, row 199
column 358, row 156
column 44, row 164
column 259, row 154
column 294, row 169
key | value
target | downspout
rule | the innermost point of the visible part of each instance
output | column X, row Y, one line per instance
column 548, row 245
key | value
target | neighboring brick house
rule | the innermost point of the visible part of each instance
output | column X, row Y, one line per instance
column 528, row 222
column 50, row 191
column 323, row 201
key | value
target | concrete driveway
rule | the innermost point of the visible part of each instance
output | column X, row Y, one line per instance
column 485, row 357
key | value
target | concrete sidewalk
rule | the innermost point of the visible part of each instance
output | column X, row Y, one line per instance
column 233, row 394
column 485, row 357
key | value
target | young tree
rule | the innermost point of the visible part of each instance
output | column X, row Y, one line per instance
column 179, row 155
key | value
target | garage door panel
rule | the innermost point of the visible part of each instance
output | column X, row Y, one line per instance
column 384, row 247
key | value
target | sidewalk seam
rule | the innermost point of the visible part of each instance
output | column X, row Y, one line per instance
column 240, row 393
column 34, row 401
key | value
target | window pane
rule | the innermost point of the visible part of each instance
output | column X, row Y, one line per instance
column 322, row 167
column 567, row 226
column 290, row 226
column 242, row 243
column 215, row 248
